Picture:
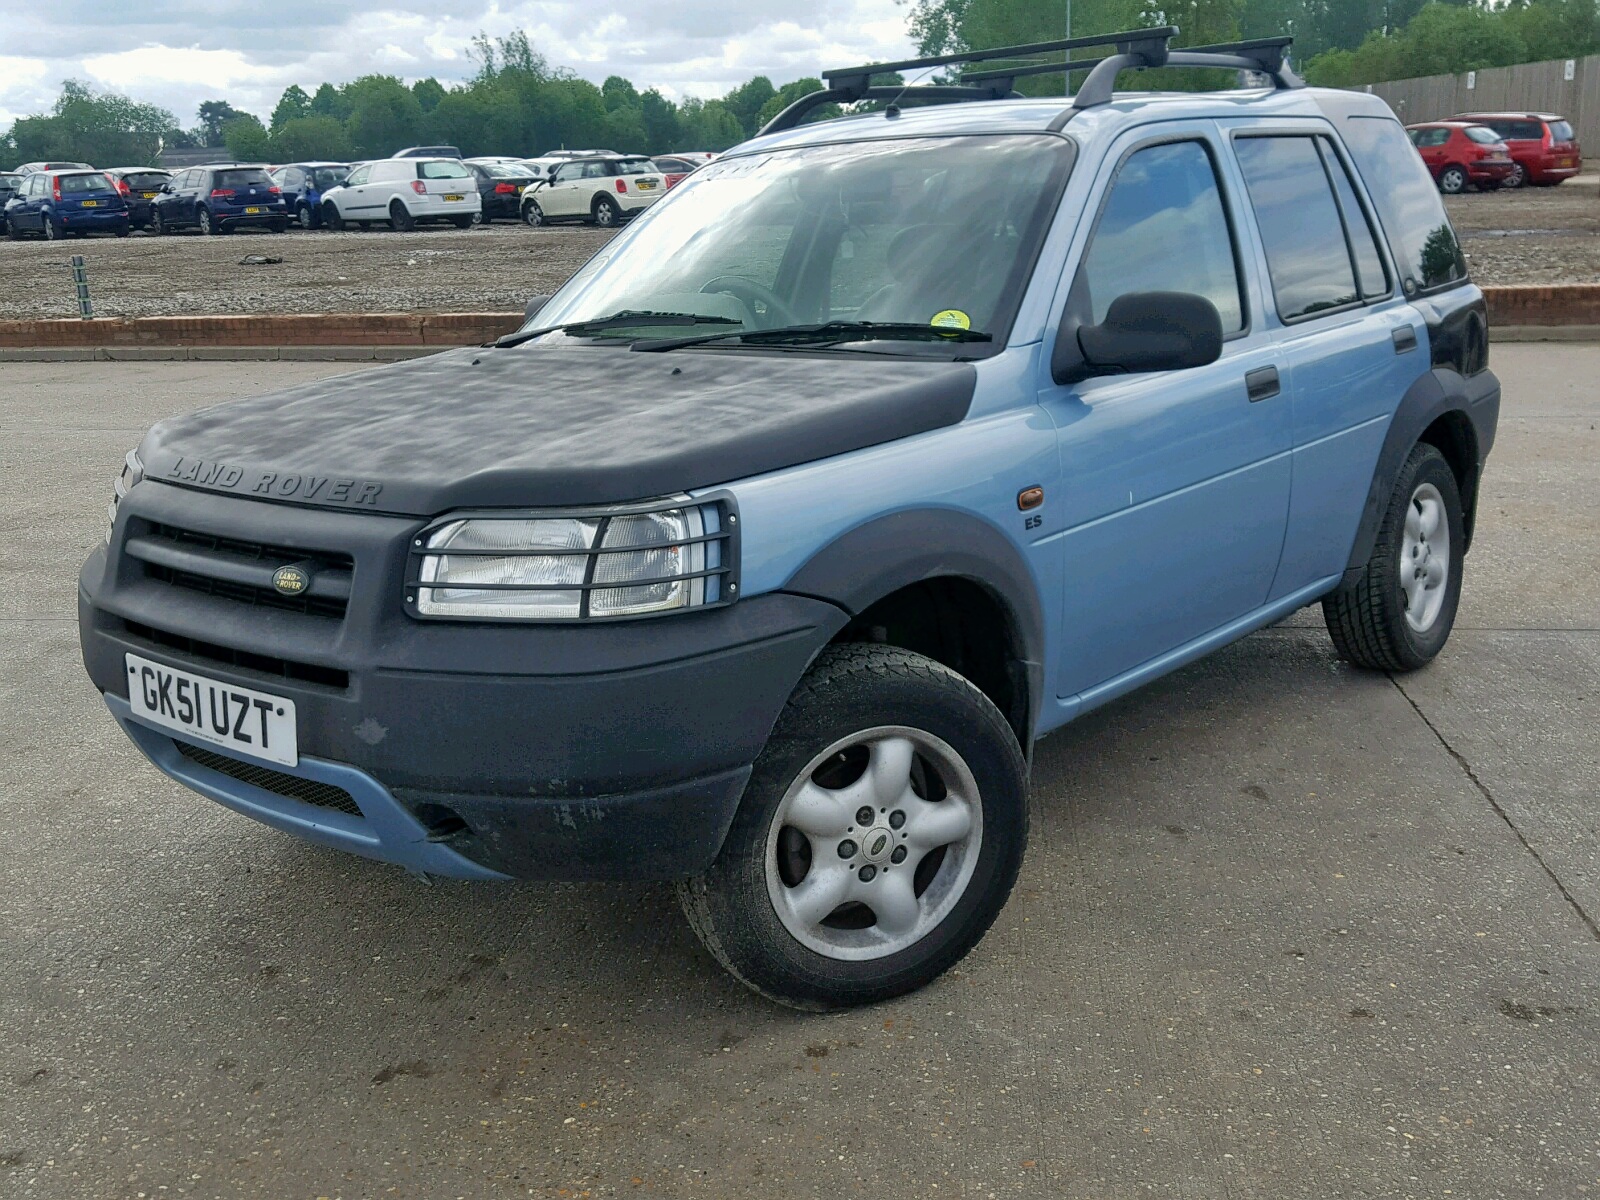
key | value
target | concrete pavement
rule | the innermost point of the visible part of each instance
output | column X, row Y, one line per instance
column 1285, row 929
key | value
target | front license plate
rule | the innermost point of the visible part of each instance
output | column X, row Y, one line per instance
column 206, row 710
column 252, row 210
column 91, row 204
column 454, row 199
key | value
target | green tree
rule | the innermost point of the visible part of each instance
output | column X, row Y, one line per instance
column 660, row 117
column 708, row 125
column 247, row 139
column 294, row 103
column 328, row 102
column 214, row 114
column 428, row 92
column 798, row 90
column 384, row 115
column 94, row 127
column 310, row 139
column 747, row 101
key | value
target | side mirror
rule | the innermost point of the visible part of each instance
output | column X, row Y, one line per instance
column 1144, row 331
column 532, row 307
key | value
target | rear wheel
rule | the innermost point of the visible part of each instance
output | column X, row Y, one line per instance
column 331, row 217
column 1452, row 181
column 1399, row 613
column 879, row 836
column 400, row 218
column 606, row 213
column 208, row 227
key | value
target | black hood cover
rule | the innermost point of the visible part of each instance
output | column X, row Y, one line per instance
column 543, row 425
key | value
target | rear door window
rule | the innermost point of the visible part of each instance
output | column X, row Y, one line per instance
column 1526, row 131
column 1301, row 232
column 1409, row 209
column 1164, row 228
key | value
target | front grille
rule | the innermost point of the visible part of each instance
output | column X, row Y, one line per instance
column 241, row 571
column 307, row 791
column 264, row 664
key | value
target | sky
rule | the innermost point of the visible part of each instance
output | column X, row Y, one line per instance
column 176, row 53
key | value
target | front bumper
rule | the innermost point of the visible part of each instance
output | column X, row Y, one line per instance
column 604, row 751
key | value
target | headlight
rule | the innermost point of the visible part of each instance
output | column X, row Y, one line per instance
column 132, row 473
column 626, row 562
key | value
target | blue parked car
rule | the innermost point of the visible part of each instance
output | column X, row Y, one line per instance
column 303, row 184
column 219, row 199
column 57, row 204
column 760, row 559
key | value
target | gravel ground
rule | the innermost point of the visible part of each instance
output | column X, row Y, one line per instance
column 1535, row 235
column 1532, row 235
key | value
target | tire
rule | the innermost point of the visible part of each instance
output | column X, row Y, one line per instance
column 50, row 231
column 865, row 724
column 532, row 214
column 157, row 225
column 279, row 227
column 12, row 232
column 463, row 222
column 1517, row 178
column 606, row 213
column 400, row 218
column 122, row 231
column 304, row 217
column 208, row 227
column 331, row 218
column 1452, row 181
column 1377, row 623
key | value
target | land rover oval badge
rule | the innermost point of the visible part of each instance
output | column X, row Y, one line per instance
column 290, row 581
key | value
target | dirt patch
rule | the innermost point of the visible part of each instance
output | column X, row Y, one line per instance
column 1533, row 235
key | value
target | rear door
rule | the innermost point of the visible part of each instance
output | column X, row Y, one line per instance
column 1350, row 342
column 1176, row 483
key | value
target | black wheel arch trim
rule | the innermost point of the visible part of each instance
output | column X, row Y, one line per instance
column 1438, row 393
column 888, row 553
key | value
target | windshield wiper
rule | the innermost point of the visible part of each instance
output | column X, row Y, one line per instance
column 826, row 333
column 617, row 320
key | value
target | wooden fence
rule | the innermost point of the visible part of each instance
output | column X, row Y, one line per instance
column 1527, row 87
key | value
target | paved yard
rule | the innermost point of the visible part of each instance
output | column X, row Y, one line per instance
column 1285, row 929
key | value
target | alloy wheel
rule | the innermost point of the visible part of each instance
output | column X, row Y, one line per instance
column 874, row 843
column 1424, row 558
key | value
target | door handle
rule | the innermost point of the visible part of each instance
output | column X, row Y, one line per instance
column 1261, row 384
column 1405, row 339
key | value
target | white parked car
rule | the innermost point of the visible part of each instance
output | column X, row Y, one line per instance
column 404, row 192
column 602, row 191
column 540, row 168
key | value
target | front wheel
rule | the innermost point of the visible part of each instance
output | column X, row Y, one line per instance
column 1399, row 613
column 878, row 838
column 331, row 217
column 532, row 214
column 1452, row 181
column 157, row 225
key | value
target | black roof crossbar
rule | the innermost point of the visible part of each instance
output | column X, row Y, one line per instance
column 1135, row 49
column 847, row 85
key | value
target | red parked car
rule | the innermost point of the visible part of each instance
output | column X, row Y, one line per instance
column 1543, row 147
column 1461, row 152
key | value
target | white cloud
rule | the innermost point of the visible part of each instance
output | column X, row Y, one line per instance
column 177, row 53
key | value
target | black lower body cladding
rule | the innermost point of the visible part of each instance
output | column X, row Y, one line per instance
column 611, row 750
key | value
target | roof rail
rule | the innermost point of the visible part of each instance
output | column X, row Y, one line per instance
column 847, row 85
column 1134, row 49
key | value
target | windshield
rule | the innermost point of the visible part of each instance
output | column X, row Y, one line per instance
column 1478, row 133
column 70, row 184
column 504, row 171
column 242, row 179
column 922, row 231
column 323, row 178
column 442, row 170
column 138, row 180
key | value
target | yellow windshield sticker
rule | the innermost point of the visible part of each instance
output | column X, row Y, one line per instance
column 951, row 318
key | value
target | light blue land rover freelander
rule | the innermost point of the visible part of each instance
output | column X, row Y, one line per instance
column 760, row 558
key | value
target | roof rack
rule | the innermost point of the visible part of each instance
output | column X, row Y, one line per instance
column 1135, row 49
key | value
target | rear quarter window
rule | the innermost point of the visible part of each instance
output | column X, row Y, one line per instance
column 1409, row 209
